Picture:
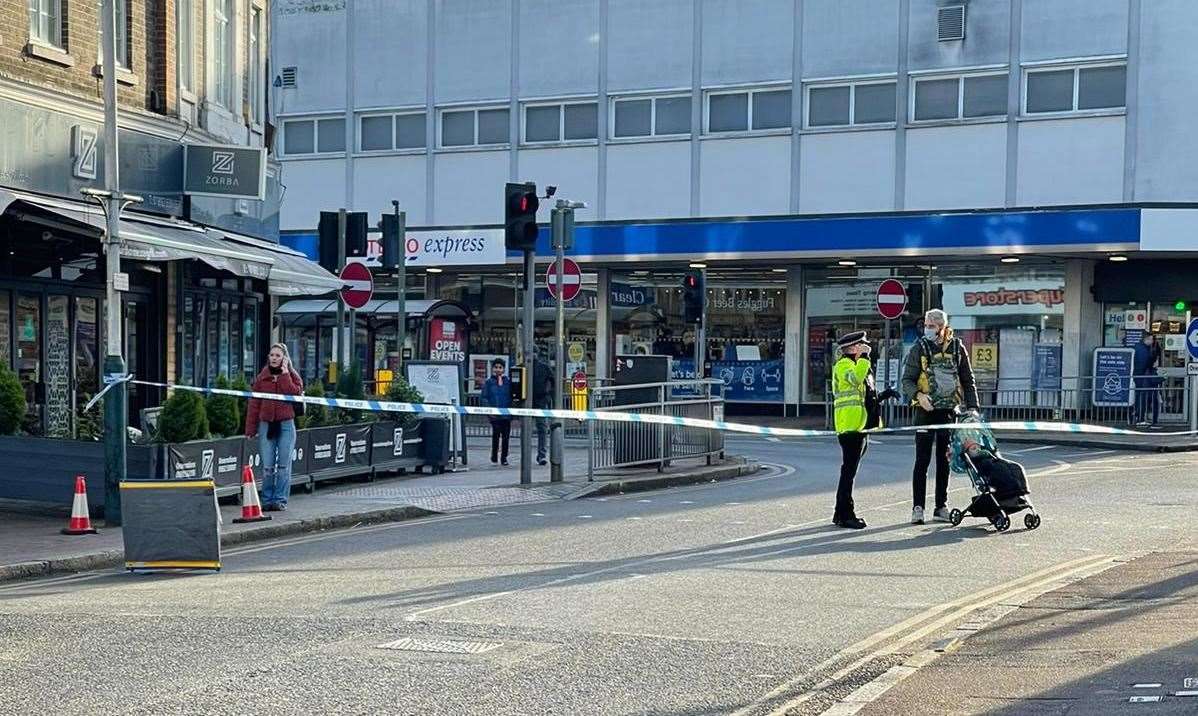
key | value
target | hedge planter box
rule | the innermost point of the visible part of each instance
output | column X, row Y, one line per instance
column 44, row 469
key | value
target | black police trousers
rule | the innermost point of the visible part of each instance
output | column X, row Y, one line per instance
column 852, row 448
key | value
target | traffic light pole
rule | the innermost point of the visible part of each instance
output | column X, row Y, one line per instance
column 341, row 223
column 701, row 331
column 558, row 223
column 526, row 423
column 401, row 290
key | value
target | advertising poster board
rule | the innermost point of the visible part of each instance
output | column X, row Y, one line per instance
column 1112, row 377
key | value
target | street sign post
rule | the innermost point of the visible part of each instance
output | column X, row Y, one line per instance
column 1192, row 370
column 571, row 279
column 359, row 285
column 892, row 302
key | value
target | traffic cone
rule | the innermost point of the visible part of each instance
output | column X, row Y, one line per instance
column 251, row 509
column 81, row 521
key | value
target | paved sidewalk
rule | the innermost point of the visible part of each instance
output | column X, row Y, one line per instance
column 31, row 545
column 1123, row 641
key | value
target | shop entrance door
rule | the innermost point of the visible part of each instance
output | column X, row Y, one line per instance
column 1169, row 328
column 142, row 353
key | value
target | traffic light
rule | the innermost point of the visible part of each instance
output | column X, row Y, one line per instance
column 694, row 295
column 520, row 216
column 391, row 242
column 355, row 238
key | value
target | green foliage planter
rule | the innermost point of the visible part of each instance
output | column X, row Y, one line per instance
column 12, row 402
column 401, row 392
column 183, row 418
column 224, row 416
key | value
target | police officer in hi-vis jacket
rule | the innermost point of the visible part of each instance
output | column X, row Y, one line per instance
column 856, row 405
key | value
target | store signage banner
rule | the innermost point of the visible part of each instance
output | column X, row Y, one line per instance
column 225, row 171
column 750, row 381
column 450, row 247
column 1002, row 298
column 625, row 295
column 446, row 340
column 1112, row 376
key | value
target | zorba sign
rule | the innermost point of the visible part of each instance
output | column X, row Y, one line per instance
column 224, row 171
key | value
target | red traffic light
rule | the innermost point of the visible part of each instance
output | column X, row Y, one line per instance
column 525, row 203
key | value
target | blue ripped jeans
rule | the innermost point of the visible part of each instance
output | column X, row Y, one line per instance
column 276, row 462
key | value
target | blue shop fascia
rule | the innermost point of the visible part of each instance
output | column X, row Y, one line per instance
column 202, row 271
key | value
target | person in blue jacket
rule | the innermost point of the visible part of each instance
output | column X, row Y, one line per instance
column 497, row 393
column 1144, row 364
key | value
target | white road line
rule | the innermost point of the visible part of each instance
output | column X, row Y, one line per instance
column 1031, row 449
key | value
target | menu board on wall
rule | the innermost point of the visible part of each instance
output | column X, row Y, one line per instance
column 438, row 382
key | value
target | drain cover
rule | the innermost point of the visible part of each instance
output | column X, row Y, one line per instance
column 441, row 646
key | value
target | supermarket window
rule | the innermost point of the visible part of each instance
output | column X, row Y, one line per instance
column 386, row 132
column 1082, row 88
column 746, row 110
column 960, row 97
column 850, row 104
column 651, row 116
column 474, row 127
column 313, row 136
column 561, row 121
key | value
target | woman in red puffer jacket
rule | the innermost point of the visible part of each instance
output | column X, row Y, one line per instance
column 273, row 422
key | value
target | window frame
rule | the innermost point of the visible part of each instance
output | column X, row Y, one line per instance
column 255, row 30
column 1076, row 68
column 394, row 114
column 561, row 104
column 185, row 45
column 652, row 135
column 54, row 23
column 852, row 84
column 474, row 146
column 749, row 93
column 222, row 54
column 960, row 77
column 315, row 119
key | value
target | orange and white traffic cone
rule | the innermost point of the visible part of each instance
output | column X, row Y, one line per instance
column 251, row 509
column 81, row 521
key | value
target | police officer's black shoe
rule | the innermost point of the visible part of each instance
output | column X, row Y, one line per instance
column 852, row 523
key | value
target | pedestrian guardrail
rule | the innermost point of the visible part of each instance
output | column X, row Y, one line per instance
column 627, row 444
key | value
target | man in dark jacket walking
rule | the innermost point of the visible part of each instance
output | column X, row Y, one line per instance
column 937, row 378
column 542, row 398
column 497, row 393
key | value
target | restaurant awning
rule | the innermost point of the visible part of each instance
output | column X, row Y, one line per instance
column 155, row 239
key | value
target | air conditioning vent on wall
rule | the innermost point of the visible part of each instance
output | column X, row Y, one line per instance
column 950, row 23
column 289, row 76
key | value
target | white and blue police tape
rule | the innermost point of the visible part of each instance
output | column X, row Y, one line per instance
column 612, row 416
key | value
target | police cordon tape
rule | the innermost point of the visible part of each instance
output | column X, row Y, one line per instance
column 612, row 416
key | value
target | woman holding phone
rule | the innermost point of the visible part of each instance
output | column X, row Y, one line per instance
column 273, row 423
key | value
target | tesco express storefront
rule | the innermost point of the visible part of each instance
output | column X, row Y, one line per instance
column 1019, row 287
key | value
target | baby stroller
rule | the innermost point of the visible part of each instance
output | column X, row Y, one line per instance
column 1000, row 485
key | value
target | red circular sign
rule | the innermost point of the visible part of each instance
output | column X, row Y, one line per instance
column 359, row 285
column 580, row 380
column 892, row 299
column 571, row 279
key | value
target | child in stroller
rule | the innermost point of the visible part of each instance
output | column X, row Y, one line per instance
column 1000, row 485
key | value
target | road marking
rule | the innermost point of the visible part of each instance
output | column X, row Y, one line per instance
column 687, row 502
column 584, row 517
column 537, row 514
column 1146, row 686
column 1092, row 453
column 939, row 616
column 644, row 501
column 1031, row 449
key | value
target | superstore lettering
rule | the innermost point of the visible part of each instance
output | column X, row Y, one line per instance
column 1024, row 297
column 452, row 245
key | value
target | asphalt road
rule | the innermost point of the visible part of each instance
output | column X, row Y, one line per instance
column 726, row 598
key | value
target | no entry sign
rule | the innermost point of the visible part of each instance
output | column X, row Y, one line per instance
column 892, row 299
column 359, row 285
column 571, row 279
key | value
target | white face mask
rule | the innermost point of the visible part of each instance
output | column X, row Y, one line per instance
column 931, row 333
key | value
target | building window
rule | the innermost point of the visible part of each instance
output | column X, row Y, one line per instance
column 256, row 77
column 474, row 127
column 185, row 35
column 1075, row 89
column 222, row 52
column 313, row 136
column 45, row 21
column 963, row 97
column 386, row 132
column 747, row 110
column 851, row 104
column 561, row 122
column 651, row 117
column 121, row 8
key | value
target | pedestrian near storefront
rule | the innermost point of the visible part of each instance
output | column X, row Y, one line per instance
column 542, row 398
column 856, row 403
column 1145, row 362
column 497, row 393
column 273, row 423
column 938, row 379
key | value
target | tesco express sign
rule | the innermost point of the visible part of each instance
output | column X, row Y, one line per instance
column 451, row 247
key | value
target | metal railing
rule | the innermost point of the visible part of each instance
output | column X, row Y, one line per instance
column 1152, row 400
column 626, row 444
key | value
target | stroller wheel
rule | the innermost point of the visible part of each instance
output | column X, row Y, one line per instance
column 955, row 516
column 1002, row 523
column 1031, row 520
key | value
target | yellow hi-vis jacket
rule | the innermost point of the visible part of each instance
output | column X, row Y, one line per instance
column 849, row 379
